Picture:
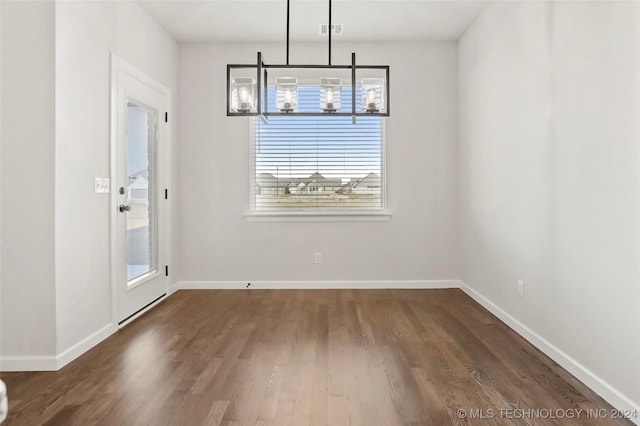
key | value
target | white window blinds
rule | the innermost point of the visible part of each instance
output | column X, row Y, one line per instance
column 318, row 163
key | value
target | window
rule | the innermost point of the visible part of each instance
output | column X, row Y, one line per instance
column 321, row 164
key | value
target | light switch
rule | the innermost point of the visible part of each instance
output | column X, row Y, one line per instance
column 101, row 185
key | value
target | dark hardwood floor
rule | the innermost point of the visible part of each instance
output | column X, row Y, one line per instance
column 309, row 357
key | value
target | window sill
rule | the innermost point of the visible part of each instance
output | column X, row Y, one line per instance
column 314, row 216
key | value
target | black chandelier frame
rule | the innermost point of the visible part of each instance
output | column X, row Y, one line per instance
column 262, row 86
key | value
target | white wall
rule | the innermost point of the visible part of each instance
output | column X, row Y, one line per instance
column 216, row 243
column 549, row 180
column 27, row 290
column 86, row 34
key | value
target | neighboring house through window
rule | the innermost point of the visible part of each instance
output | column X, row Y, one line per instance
column 318, row 163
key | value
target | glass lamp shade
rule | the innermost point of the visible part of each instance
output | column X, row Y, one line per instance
column 372, row 94
column 243, row 94
column 287, row 94
column 330, row 97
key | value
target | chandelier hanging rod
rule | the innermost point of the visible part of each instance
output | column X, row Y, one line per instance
column 329, row 31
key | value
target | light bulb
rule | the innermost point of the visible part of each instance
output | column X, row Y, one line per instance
column 371, row 96
column 244, row 95
column 329, row 96
column 287, row 96
column 246, row 100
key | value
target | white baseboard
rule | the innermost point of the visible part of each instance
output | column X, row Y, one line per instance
column 614, row 397
column 28, row 363
column 317, row 285
column 84, row 345
column 55, row 363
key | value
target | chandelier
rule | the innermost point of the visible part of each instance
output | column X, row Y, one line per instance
column 365, row 86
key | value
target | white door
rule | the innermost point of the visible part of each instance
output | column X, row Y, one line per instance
column 139, row 178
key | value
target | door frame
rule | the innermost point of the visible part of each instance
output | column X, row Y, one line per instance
column 164, row 181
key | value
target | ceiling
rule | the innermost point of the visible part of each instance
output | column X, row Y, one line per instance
column 265, row 20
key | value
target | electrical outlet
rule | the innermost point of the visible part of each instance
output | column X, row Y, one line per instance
column 520, row 288
column 318, row 257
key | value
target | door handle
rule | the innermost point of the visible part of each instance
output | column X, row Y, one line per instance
column 124, row 208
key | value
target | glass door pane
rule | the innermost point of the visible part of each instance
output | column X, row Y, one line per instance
column 142, row 124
